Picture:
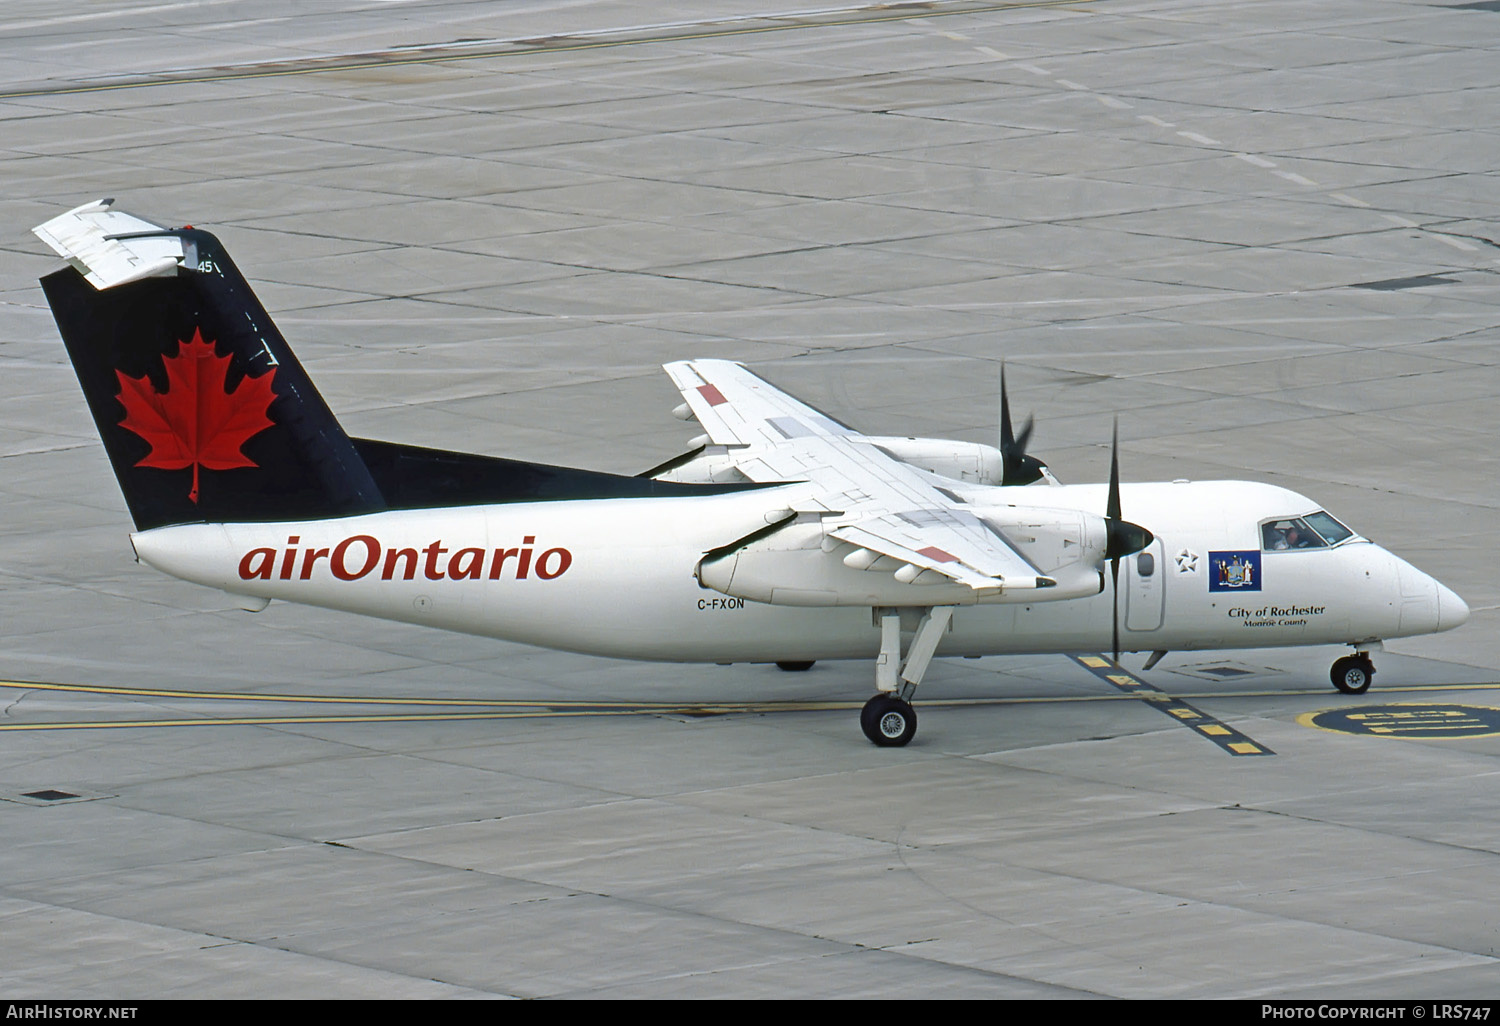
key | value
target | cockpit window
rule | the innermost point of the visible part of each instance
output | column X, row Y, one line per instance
column 1291, row 533
column 1332, row 531
column 1314, row 531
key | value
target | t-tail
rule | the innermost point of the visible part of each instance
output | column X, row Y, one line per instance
column 205, row 413
column 207, row 416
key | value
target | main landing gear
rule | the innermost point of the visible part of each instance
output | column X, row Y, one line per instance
column 1353, row 673
column 888, row 719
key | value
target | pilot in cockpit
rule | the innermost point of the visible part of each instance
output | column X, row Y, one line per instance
column 1288, row 534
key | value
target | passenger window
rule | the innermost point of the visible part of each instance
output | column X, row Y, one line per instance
column 1291, row 533
column 1145, row 564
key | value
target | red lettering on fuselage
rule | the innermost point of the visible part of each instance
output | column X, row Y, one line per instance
column 466, row 565
column 432, row 552
column 290, row 559
column 560, row 564
column 310, row 557
column 338, row 563
column 498, row 563
column 410, row 555
column 358, row 556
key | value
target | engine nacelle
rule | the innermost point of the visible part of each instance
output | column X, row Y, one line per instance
column 969, row 462
column 800, row 565
column 1067, row 545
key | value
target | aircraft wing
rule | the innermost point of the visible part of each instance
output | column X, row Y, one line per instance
column 865, row 496
column 736, row 408
column 975, row 554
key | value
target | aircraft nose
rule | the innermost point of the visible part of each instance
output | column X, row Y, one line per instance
column 1452, row 610
column 1427, row 606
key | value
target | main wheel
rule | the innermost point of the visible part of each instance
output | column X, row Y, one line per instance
column 1352, row 674
column 797, row 666
column 888, row 721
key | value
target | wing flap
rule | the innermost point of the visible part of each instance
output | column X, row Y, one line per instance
column 958, row 546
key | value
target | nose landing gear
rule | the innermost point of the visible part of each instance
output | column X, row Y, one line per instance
column 1352, row 674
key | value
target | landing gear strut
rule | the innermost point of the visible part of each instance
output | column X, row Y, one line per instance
column 1352, row 674
column 888, row 719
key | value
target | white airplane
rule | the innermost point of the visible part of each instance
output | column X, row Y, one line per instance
column 784, row 536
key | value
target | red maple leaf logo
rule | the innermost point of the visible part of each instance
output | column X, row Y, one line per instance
column 195, row 422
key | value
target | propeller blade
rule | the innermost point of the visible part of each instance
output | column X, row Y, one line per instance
column 1007, row 437
column 1123, row 537
column 1114, row 573
column 1112, row 509
column 1114, row 520
column 1020, row 443
column 1020, row 469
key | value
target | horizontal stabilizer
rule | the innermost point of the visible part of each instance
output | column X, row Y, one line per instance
column 109, row 247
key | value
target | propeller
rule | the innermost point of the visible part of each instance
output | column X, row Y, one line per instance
column 1122, row 537
column 1020, row 469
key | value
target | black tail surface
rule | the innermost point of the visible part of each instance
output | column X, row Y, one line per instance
column 207, row 416
column 205, row 413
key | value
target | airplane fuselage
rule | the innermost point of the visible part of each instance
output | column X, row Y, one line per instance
column 782, row 536
column 617, row 578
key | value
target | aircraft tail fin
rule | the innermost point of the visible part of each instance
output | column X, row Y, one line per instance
column 205, row 413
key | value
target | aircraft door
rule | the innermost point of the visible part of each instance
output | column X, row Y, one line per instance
column 1144, row 583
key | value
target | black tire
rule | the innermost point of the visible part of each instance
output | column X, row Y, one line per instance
column 1352, row 674
column 795, row 667
column 888, row 721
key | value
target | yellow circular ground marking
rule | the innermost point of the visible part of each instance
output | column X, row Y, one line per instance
column 1426, row 721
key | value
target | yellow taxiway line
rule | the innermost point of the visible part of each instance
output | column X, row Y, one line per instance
column 459, row 709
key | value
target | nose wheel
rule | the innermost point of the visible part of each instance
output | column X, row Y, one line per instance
column 888, row 721
column 1352, row 674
